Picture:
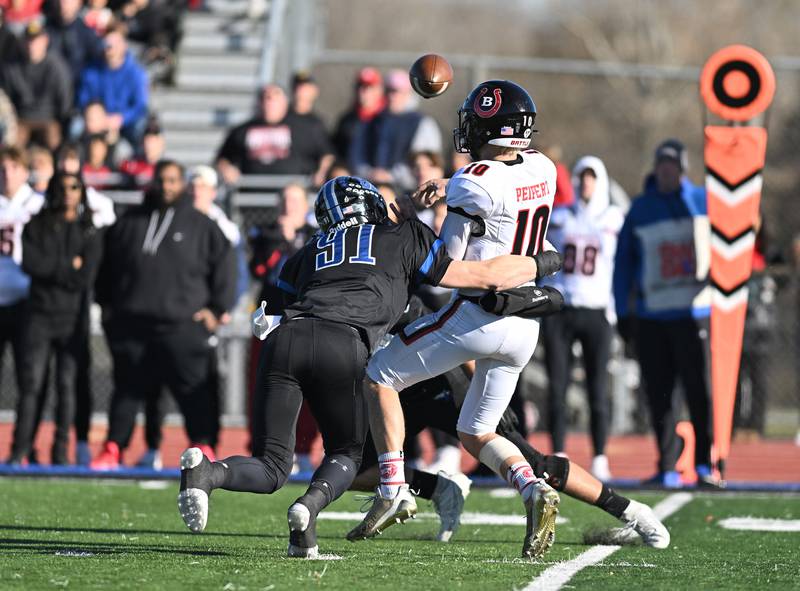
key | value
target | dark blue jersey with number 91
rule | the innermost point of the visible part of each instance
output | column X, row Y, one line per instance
column 362, row 275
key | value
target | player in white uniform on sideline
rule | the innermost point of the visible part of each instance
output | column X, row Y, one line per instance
column 499, row 204
column 18, row 204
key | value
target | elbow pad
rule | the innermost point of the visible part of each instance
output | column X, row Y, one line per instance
column 547, row 263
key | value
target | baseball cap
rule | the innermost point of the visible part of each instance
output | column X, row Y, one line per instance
column 674, row 150
column 34, row 29
column 206, row 174
column 369, row 77
column 398, row 80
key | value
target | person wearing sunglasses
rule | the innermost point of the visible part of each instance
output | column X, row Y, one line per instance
column 61, row 253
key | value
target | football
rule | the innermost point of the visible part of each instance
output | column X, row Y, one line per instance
column 430, row 75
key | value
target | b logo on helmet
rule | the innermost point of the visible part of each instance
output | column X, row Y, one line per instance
column 487, row 106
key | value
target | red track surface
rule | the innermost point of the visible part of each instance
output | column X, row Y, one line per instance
column 630, row 456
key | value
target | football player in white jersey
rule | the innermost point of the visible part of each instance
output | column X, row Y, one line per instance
column 586, row 233
column 18, row 203
column 498, row 204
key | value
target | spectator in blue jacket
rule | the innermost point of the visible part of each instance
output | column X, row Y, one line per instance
column 662, row 264
column 121, row 84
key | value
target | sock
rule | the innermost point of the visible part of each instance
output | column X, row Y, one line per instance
column 392, row 469
column 520, row 475
column 612, row 503
column 424, row 482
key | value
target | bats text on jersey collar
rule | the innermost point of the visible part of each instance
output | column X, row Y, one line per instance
column 531, row 192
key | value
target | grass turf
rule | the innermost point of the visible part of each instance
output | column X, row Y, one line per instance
column 104, row 535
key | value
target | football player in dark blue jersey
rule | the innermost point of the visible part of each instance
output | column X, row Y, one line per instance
column 344, row 290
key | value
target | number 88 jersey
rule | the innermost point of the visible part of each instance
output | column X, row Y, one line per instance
column 508, row 204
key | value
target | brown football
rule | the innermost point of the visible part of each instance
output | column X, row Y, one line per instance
column 430, row 75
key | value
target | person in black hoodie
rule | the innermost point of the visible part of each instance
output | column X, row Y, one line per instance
column 167, row 278
column 62, row 250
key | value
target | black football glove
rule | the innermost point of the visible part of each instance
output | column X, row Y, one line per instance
column 547, row 263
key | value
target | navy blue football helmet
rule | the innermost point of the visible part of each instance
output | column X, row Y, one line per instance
column 348, row 201
column 496, row 112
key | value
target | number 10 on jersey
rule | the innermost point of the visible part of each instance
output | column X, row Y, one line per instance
column 533, row 226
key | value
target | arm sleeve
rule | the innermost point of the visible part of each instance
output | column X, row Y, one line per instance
column 429, row 257
column 624, row 265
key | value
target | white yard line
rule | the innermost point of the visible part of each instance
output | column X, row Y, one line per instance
column 760, row 524
column 556, row 576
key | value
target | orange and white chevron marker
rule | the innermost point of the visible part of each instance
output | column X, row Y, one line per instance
column 737, row 84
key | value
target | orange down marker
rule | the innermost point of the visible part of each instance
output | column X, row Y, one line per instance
column 737, row 84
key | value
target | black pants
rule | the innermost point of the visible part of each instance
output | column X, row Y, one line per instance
column 669, row 350
column 591, row 329
column 324, row 363
column 148, row 355
column 44, row 335
column 11, row 322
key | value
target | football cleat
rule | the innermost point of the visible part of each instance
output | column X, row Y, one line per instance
column 541, row 511
column 83, row 455
column 384, row 513
column 600, row 468
column 641, row 522
column 448, row 499
column 108, row 459
column 195, row 489
column 302, row 533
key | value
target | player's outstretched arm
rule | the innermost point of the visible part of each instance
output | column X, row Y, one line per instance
column 503, row 272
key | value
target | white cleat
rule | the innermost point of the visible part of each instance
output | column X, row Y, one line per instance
column 195, row 489
column 448, row 498
column 384, row 513
column 302, row 539
column 641, row 522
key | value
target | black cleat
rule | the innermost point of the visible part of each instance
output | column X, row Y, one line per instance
column 195, row 489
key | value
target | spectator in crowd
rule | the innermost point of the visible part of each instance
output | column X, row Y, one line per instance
column 8, row 121
column 204, row 187
column 381, row 149
column 138, row 170
column 98, row 16
column 120, row 83
column 368, row 100
column 565, row 195
column 337, row 168
column 18, row 13
column 72, row 39
column 158, row 25
column 660, row 245
column 167, row 278
column 18, row 202
column 272, row 245
column 40, row 87
column 103, row 216
column 62, row 250
column 586, row 234
column 95, row 170
column 305, row 93
column 42, row 168
column 10, row 47
column 275, row 141
column 458, row 160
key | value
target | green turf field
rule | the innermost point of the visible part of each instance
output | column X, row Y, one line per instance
column 119, row 535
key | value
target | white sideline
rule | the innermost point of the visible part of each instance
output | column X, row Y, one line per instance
column 556, row 576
